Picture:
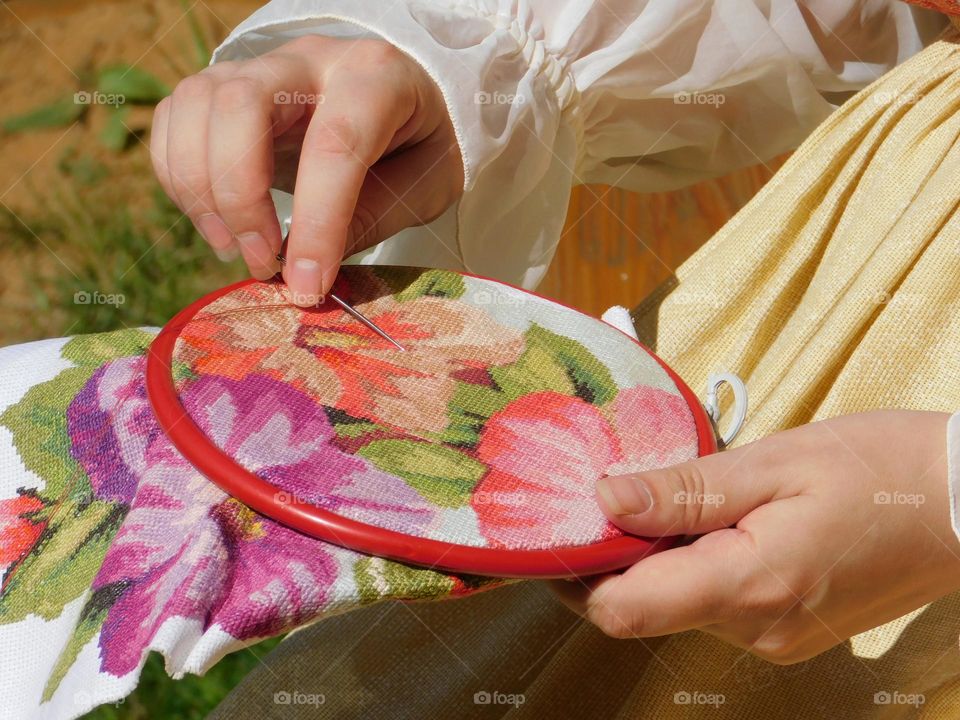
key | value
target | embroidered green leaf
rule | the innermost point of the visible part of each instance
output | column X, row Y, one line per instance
column 469, row 409
column 432, row 283
column 182, row 372
column 349, row 426
column 88, row 625
column 377, row 579
column 64, row 563
column 442, row 475
column 98, row 348
column 355, row 430
column 561, row 364
column 39, row 421
column 549, row 362
column 39, row 426
column 78, row 528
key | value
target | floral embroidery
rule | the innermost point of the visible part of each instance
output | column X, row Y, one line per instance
column 545, row 451
column 492, row 420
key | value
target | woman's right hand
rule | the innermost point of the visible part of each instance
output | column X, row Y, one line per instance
column 356, row 129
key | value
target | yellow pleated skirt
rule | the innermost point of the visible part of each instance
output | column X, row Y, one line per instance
column 835, row 290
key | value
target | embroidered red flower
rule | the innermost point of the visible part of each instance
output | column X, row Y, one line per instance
column 18, row 532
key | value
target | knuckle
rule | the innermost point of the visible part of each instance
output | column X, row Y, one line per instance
column 610, row 624
column 616, row 620
column 161, row 108
column 788, row 592
column 190, row 185
column 231, row 200
column 308, row 44
column 437, row 202
column 338, row 135
column 188, row 174
column 193, row 87
column 223, row 68
column 282, row 64
column 321, row 223
column 779, row 649
column 239, row 94
column 379, row 53
column 769, row 595
column 688, row 488
column 435, row 205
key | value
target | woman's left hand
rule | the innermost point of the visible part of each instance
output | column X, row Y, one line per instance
column 809, row 537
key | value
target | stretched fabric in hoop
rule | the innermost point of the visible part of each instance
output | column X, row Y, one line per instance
column 490, row 430
column 113, row 545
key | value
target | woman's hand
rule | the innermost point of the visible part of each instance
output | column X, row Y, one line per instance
column 811, row 536
column 378, row 155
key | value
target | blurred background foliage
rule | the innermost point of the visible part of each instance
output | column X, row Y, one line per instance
column 80, row 212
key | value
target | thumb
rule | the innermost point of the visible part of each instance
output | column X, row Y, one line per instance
column 693, row 497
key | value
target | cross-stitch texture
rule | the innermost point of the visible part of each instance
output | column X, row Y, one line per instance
column 491, row 429
column 126, row 542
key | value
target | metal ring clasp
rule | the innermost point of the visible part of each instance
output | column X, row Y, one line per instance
column 712, row 405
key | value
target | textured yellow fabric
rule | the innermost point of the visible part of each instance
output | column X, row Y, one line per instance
column 836, row 290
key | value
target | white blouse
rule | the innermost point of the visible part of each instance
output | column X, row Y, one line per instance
column 646, row 95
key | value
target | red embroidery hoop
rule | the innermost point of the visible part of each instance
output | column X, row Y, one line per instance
column 269, row 500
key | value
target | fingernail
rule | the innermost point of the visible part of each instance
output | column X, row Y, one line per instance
column 217, row 235
column 261, row 260
column 303, row 277
column 625, row 495
column 227, row 254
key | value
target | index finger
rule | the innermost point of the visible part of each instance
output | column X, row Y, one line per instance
column 348, row 133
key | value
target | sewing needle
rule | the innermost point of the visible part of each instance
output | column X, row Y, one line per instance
column 354, row 312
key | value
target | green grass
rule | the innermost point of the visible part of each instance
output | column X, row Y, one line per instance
column 109, row 266
column 192, row 698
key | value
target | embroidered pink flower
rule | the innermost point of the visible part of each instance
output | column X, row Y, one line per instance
column 546, row 451
column 655, row 429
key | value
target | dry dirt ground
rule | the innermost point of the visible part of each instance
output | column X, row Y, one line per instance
column 50, row 49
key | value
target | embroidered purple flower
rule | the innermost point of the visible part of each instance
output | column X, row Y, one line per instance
column 185, row 548
column 101, row 421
